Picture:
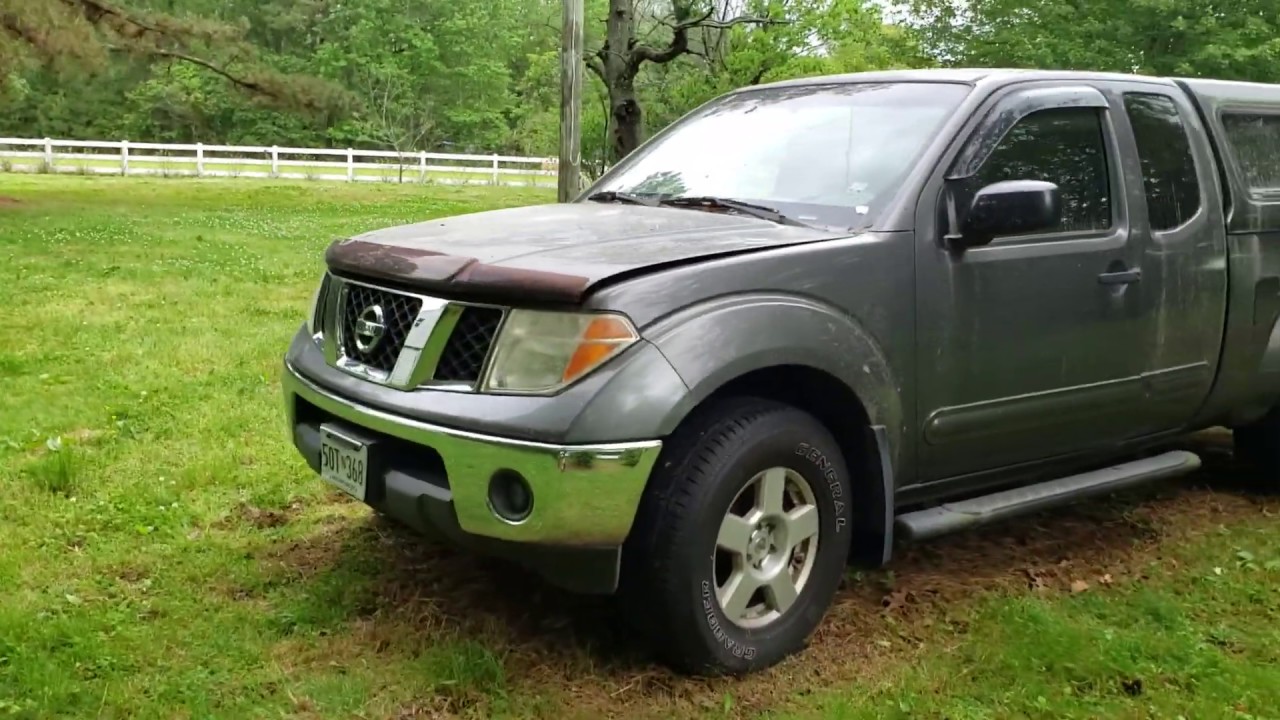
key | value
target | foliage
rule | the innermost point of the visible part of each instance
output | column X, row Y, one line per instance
column 1238, row 40
column 483, row 75
column 469, row 75
column 85, row 36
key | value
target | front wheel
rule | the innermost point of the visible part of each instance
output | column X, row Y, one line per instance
column 741, row 539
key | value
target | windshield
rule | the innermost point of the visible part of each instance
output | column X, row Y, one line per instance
column 823, row 154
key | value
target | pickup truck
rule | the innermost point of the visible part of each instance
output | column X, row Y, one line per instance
column 806, row 321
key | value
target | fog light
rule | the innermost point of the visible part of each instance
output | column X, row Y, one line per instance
column 510, row 496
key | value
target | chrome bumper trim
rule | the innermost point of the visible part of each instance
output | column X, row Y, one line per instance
column 583, row 495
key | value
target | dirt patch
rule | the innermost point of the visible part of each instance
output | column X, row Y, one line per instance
column 260, row 518
column 574, row 647
column 132, row 574
column 9, row 201
column 307, row 557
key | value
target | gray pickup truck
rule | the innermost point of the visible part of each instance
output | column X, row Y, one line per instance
column 807, row 319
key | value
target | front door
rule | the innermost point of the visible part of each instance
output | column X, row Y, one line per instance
column 1032, row 346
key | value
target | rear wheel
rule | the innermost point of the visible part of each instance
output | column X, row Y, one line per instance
column 741, row 538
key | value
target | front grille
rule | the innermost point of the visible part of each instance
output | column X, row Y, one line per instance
column 468, row 346
column 398, row 313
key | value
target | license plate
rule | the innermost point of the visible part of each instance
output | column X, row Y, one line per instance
column 344, row 462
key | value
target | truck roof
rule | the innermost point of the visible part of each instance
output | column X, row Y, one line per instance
column 974, row 76
column 961, row 75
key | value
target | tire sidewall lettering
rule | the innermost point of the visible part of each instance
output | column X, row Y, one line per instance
column 835, row 486
column 710, row 609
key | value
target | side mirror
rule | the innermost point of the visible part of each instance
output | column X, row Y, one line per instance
column 1012, row 207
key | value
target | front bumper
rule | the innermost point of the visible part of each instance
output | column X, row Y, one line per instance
column 431, row 477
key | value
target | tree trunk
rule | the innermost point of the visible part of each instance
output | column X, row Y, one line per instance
column 619, row 60
column 627, row 118
column 620, row 68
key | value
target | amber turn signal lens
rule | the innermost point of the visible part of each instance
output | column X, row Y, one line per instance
column 601, row 339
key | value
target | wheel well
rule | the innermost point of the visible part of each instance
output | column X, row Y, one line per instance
column 837, row 407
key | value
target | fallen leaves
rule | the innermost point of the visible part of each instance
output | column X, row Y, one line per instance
column 896, row 601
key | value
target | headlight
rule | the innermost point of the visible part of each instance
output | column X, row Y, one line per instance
column 540, row 352
column 315, row 314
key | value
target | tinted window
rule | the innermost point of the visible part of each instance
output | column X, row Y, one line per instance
column 1065, row 147
column 1256, row 141
column 1168, row 168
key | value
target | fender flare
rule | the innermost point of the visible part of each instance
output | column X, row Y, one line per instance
column 714, row 343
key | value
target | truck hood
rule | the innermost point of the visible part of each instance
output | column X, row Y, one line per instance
column 553, row 253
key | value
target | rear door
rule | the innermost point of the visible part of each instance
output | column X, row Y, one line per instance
column 1177, row 225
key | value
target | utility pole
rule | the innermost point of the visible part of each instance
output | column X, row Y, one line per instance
column 570, row 101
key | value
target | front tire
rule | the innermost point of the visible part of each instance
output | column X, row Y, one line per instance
column 741, row 539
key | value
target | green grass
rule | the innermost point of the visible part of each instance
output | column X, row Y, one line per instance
column 164, row 553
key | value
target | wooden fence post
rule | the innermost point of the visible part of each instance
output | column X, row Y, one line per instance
column 495, row 168
column 351, row 165
column 275, row 161
column 199, row 159
column 422, row 166
column 124, row 157
column 48, row 154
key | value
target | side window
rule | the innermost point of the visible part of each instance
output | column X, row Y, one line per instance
column 1168, row 167
column 1063, row 146
column 1256, row 141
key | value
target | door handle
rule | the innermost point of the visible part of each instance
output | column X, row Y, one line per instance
column 1122, row 277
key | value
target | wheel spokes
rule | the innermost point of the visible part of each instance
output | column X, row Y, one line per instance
column 758, row 549
column 780, row 591
column 736, row 594
column 735, row 534
column 772, row 490
column 802, row 524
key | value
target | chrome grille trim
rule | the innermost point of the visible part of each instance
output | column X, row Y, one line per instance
column 425, row 342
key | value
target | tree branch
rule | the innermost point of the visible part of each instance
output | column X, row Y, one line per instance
column 679, row 46
column 222, row 72
column 94, row 11
column 680, row 36
column 594, row 63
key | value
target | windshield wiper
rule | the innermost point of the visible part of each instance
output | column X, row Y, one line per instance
column 711, row 201
column 615, row 196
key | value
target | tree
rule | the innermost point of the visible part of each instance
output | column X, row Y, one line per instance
column 83, row 34
column 431, row 58
column 1209, row 38
column 396, row 118
column 484, row 73
column 619, row 60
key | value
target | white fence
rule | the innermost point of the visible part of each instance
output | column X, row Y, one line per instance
column 199, row 160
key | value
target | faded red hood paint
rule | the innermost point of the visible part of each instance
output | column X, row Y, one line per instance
column 553, row 253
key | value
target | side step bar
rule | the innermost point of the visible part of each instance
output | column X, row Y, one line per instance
column 951, row 517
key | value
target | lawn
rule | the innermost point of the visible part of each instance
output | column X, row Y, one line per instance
column 164, row 553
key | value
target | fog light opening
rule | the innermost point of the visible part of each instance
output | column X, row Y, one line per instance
column 510, row 496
